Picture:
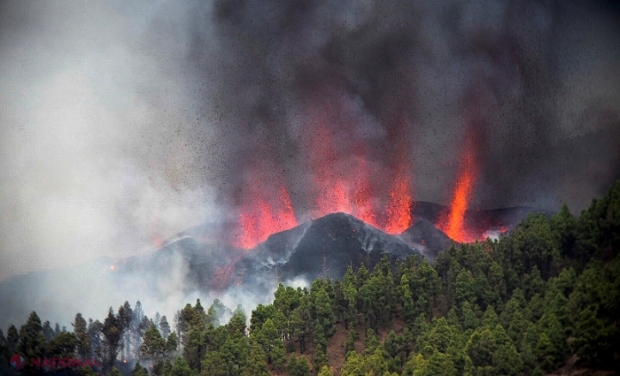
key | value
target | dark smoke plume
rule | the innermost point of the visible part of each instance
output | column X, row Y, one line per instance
column 535, row 81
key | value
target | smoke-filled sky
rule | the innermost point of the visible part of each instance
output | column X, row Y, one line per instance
column 124, row 123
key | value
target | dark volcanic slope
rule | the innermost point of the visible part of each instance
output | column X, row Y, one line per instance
column 424, row 236
column 327, row 245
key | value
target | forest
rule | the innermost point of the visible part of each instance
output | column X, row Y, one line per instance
column 544, row 299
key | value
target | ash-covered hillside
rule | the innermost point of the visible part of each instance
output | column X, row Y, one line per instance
column 325, row 246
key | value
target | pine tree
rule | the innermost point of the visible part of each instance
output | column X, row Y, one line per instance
column 376, row 363
column 48, row 332
column 298, row 366
column 214, row 364
column 545, row 351
column 57, row 329
column 153, row 344
column 319, row 357
column 323, row 310
column 94, row 336
column 12, row 339
column 497, row 279
column 437, row 364
column 112, row 333
column 3, row 343
column 271, row 343
column 350, row 346
column 409, row 312
column 62, row 346
column 441, row 336
column 260, row 315
column 188, row 319
column 354, row 365
column 349, row 294
column 517, row 328
column 125, row 317
column 194, row 348
column 167, row 368
column 564, row 226
column 138, row 370
column 137, row 328
column 490, row 317
column 200, row 317
column 164, row 327
column 31, row 342
column 235, row 352
column 464, row 287
column 256, row 364
column 469, row 319
column 171, row 344
column 237, row 323
column 81, row 333
column 481, row 346
column 181, row 368
column 371, row 342
column 216, row 313
column 506, row 360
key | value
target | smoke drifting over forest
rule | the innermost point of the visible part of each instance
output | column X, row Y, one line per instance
column 123, row 124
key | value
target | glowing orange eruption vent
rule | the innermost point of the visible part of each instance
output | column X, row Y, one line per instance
column 338, row 184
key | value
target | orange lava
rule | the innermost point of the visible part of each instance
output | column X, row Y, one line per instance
column 454, row 225
column 399, row 207
column 346, row 185
column 362, row 196
column 341, row 177
column 332, row 189
column 266, row 215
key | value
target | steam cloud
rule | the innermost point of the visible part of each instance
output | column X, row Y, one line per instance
column 125, row 124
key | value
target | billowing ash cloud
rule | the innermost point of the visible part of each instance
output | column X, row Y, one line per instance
column 534, row 82
column 123, row 124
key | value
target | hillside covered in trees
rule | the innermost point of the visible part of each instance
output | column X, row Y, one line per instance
column 543, row 300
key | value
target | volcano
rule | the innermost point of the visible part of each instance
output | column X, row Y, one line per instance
column 201, row 260
column 324, row 247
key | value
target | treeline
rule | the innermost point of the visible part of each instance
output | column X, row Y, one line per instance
column 543, row 298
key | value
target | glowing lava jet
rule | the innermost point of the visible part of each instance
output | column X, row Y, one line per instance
column 454, row 223
column 339, row 171
column 343, row 176
column 399, row 206
column 264, row 211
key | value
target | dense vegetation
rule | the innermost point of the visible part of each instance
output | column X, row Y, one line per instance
column 543, row 298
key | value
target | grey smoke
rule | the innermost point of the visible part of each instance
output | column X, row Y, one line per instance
column 535, row 81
